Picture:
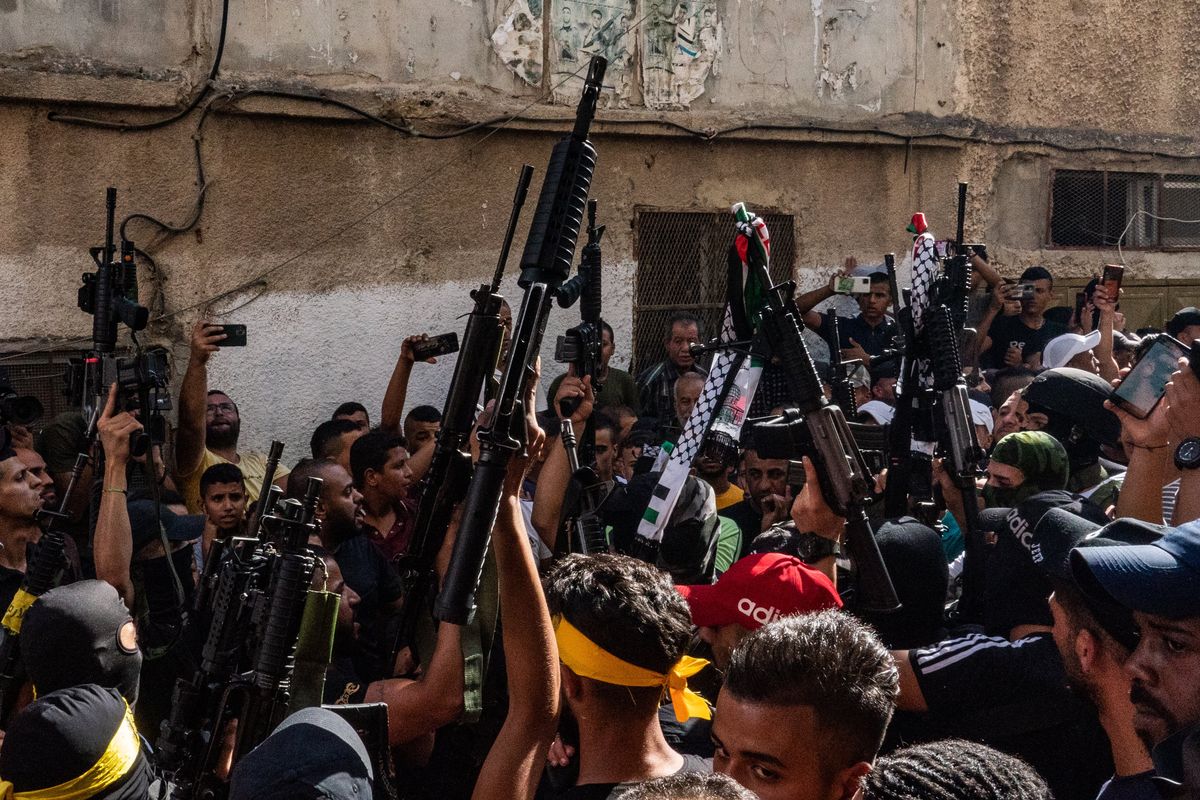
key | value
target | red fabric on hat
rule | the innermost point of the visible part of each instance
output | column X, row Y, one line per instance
column 758, row 589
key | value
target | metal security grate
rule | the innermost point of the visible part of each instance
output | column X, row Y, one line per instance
column 681, row 267
column 1098, row 209
column 42, row 377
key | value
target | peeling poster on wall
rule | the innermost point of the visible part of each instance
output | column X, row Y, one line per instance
column 681, row 48
column 518, row 40
column 583, row 28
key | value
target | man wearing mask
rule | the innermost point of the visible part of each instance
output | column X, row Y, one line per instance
column 1071, row 402
column 210, row 425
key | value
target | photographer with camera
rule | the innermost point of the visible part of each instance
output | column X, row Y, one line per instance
column 867, row 333
column 209, row 426
column 1017, row 337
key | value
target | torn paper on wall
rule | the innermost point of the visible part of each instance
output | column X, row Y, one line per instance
column 581, row 29
column 682, row 46
column 518, row 41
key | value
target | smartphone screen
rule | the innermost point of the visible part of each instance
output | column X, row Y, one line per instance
column 1112, row 280
column 1143, row 387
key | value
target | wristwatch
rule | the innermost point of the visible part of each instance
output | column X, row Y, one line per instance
column 815, row 548
column 1187, row 454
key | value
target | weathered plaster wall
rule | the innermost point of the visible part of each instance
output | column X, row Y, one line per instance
column 971, row 85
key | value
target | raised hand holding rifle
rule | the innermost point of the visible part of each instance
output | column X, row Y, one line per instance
column 450, row 469
column 815, row 427
column 546, row 263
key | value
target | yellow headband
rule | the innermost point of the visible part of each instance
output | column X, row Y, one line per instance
column 118, row 759
column 588, row 660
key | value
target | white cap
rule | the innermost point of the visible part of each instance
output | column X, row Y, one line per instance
column 980, row 414
column 880, row 411
column 1061, row 349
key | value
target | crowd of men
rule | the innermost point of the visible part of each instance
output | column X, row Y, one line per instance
column 738, row 664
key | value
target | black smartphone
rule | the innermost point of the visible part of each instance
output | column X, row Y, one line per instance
column 1143, row 387
column 436, row 346
column 235, row 336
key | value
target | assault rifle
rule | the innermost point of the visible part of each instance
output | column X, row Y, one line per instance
column 839, row 378
column 581, row 348
column 816, row 428
column 934, row 408
column 450, row 469
column 545, row 265
column 248, row 654
column 110, row 295
column 963, row 458
column 42, row 573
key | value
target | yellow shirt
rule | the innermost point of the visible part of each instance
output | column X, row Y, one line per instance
column 253, row 467
column 730, row 496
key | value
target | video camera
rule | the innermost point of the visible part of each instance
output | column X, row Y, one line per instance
column 110, row 296
column 18, row 409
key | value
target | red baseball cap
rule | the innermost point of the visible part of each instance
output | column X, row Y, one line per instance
column 758, row 589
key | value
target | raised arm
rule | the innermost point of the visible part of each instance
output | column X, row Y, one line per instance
column 555, row 475
column 1109, row 369
column 806, row 301
column 112, row 547
column 1147, row 444
column 392, row 417
column 514, row 764
column 1183, row 399
column 193, row 398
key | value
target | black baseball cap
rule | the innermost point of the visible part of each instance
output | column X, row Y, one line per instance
column 1022, row 519
column 81, row 633
column 1015, row 591
column 313, row 754
column 1182, row 319
column 1161, row 578
column 1059, row 533
column 145, row 516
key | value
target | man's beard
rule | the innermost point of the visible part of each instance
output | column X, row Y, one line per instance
column 1143, row 701
column 223, row 437
column 339, row 528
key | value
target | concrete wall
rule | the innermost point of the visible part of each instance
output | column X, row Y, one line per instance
column 851, row 116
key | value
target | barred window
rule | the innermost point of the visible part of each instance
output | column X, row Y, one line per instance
column 681, row 266
column 1099, row 209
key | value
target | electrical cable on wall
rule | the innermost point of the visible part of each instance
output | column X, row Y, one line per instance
column 205, row 88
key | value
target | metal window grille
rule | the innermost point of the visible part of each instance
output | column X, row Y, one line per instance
column 682, row 258
column 1095, row 209
column 41, row 376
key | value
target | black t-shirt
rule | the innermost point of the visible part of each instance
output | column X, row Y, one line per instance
column 872, row 339
column 1007, row 331
column 1013, row 696
column 378, row 586
column 368, row 573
